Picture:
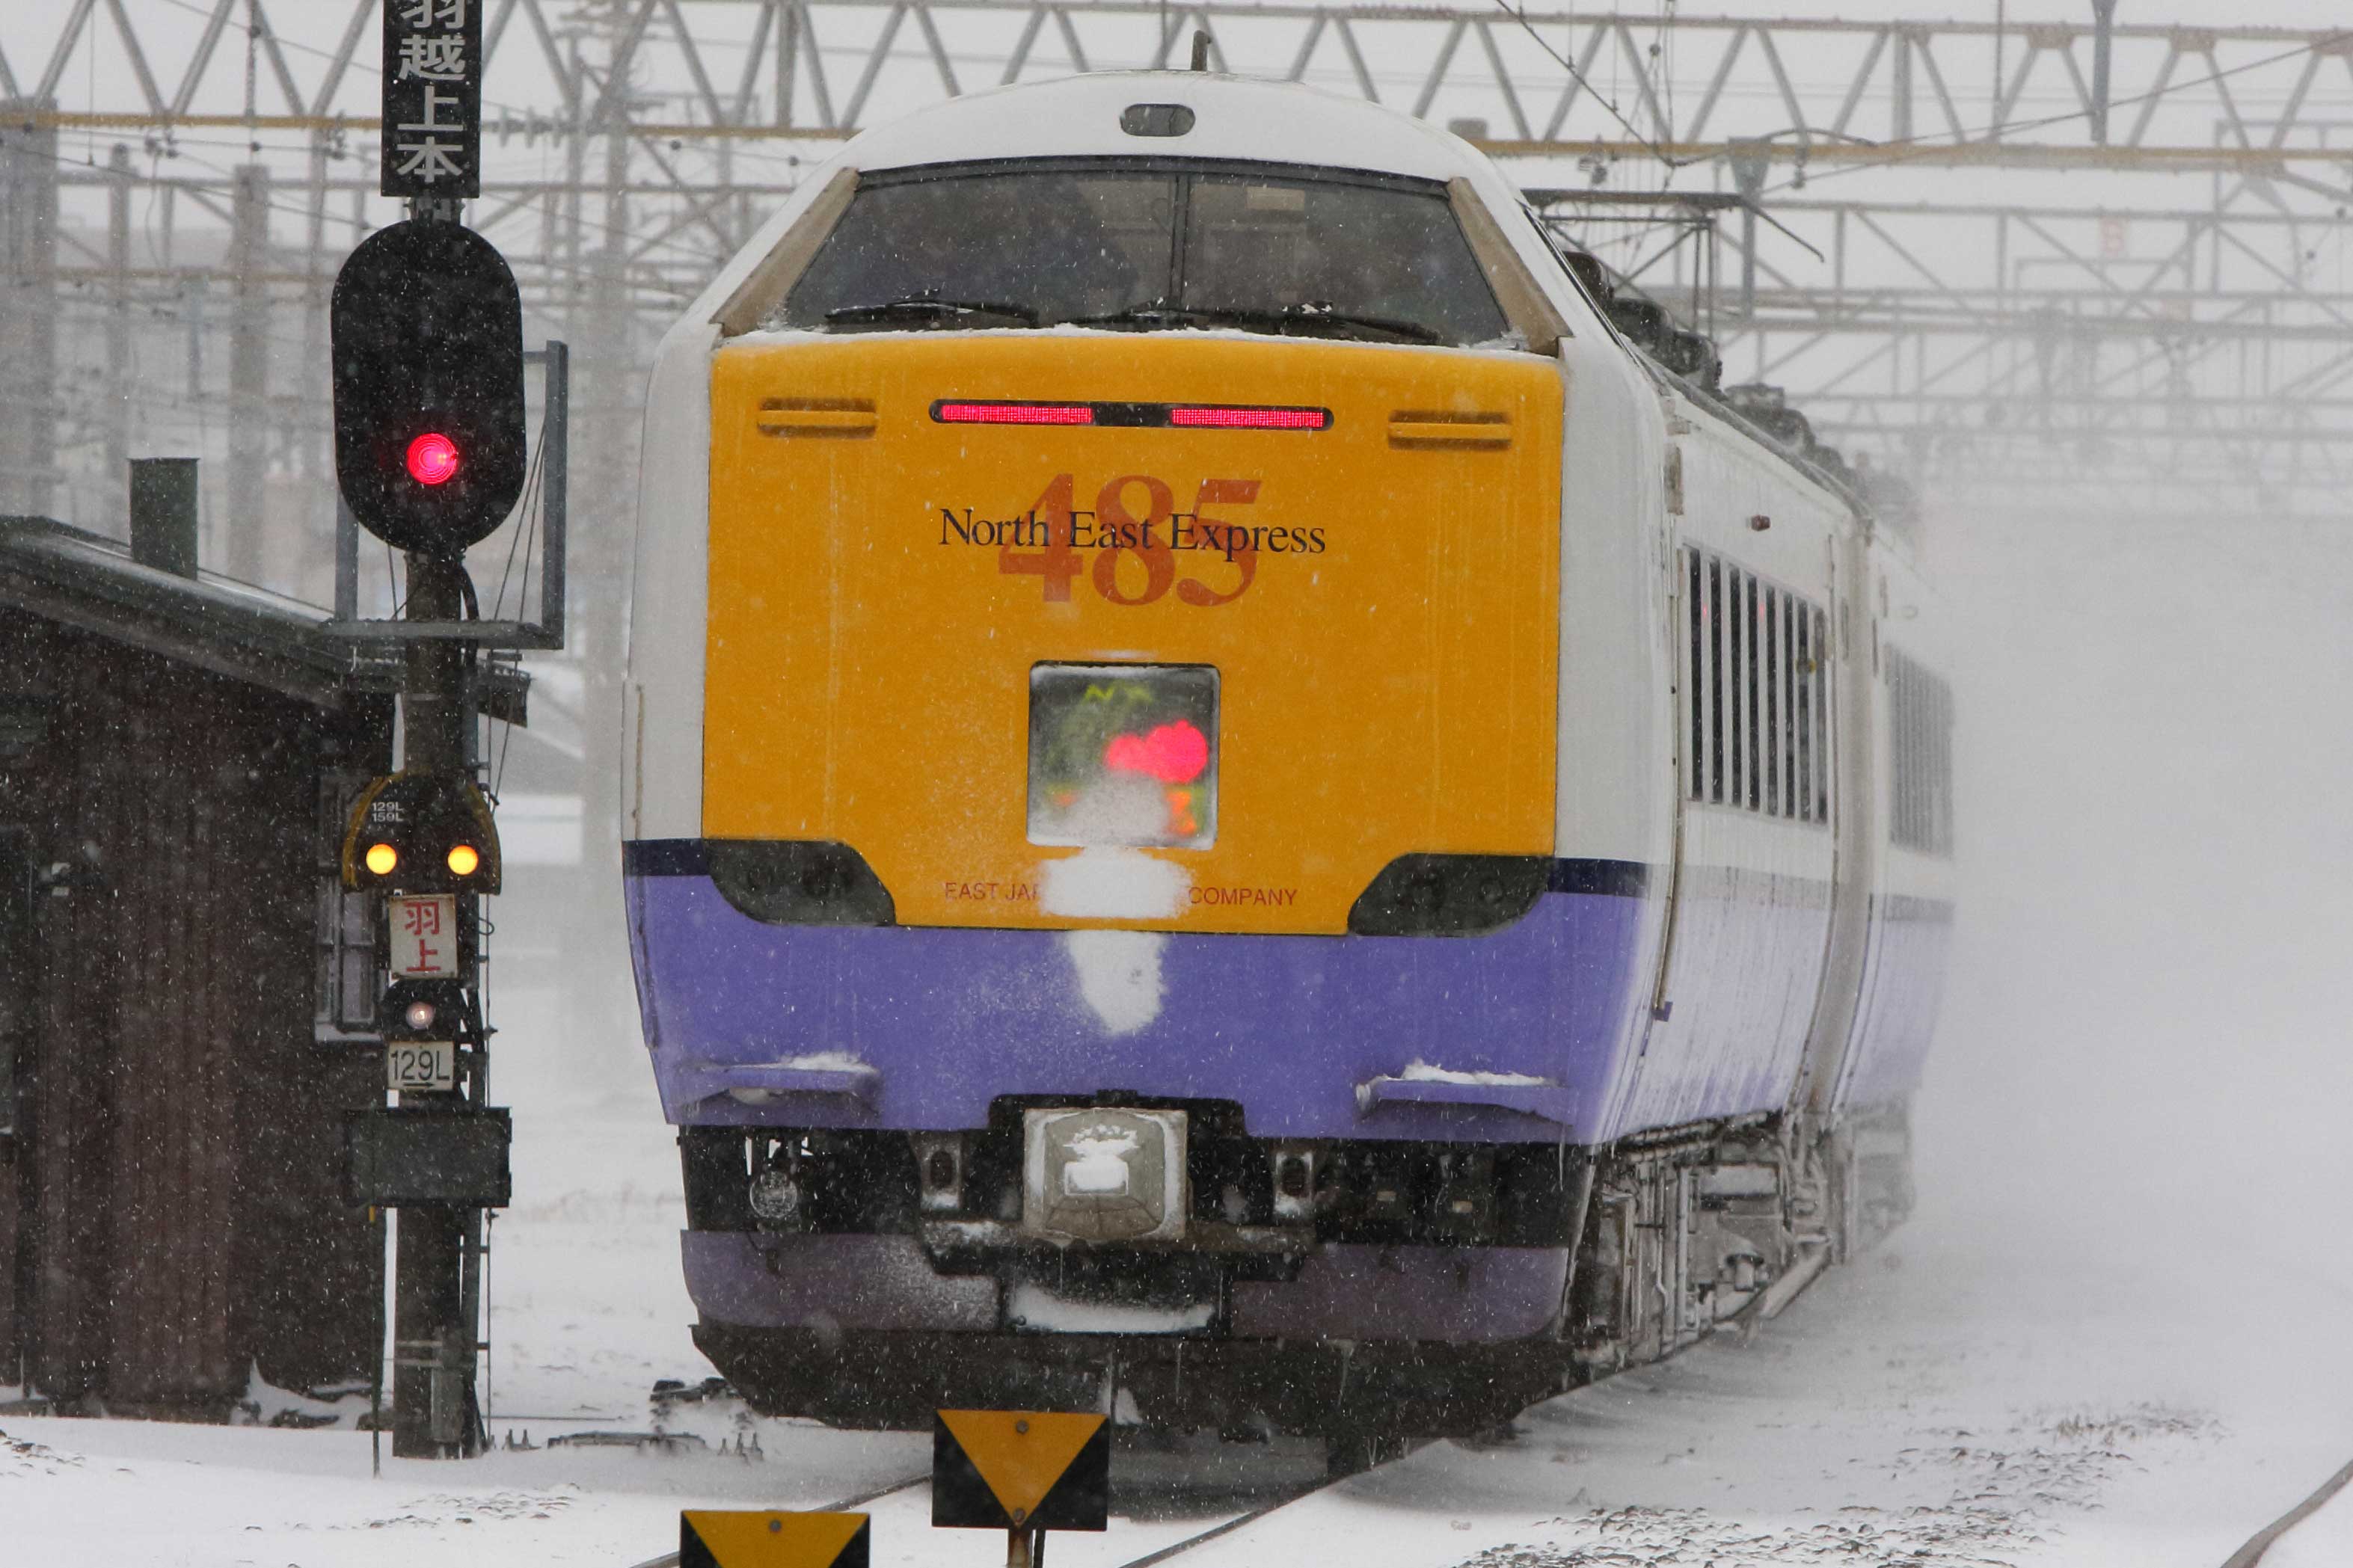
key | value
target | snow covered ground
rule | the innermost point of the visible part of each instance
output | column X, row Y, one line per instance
column 1955, row 1400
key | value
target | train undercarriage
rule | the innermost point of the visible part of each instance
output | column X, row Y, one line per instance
column 1365, row 1292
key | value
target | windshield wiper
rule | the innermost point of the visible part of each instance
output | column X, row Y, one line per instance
column 928, row 308
column 1158, row 310
column 1321, row 312
column 1291, row 321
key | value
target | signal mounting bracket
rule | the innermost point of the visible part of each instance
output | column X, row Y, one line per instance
column 544, row 633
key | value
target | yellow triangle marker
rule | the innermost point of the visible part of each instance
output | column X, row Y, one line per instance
column 1020, row 1453
column 736, row 1538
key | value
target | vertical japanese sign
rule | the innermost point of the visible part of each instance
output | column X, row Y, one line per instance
column 424, row 937
column 432, row 98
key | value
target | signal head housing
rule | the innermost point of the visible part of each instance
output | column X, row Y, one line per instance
column 431, row 436
column 422, row 833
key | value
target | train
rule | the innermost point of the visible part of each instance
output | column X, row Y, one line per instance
column 1248, row 802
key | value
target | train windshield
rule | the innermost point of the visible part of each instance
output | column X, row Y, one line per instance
column 1145, row 247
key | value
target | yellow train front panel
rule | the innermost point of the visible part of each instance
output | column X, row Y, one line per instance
column 1339, row 561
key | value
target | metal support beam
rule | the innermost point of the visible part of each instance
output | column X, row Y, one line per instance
column 1748, row 167
column 29, row 311
column 2104, row 38
column 118, row 399
column 434, row 1414
column 247, row 486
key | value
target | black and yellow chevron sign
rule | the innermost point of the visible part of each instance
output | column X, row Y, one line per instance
column 1020, row 1469
column 715, row 1538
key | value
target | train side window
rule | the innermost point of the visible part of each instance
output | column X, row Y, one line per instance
column 1825, row 757
column 1735, row 683
column 1756, row 729
column 1695, row 667
column 1802, row 693
column 1785, row 732
column 1920, row 726
column 1715, row 679
column 1771, row 626
column 1788, row 690
column 1752, row 665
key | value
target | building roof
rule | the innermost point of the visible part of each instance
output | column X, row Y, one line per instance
column 74, row 578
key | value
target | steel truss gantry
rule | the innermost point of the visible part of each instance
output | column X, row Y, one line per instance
column 1921, row 230
column 2041, row 93
column 1977, row 343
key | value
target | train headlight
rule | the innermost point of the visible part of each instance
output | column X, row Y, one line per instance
column 777, row 1198
column 1104, row 1175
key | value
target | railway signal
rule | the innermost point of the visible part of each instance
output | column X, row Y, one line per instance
column 430, row 435
column 431, row 449
column 422, row 832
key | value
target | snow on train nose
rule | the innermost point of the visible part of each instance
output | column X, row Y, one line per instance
column 1104, row 1175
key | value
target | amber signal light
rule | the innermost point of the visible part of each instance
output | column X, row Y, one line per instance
column 382, row 858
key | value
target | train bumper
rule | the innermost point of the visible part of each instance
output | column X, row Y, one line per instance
column 858, row 1331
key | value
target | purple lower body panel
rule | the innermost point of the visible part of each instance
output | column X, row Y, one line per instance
column 883, row 1284
column 1457, row 1294
column 830, row 1283
column 1903, row 986
column 1517, row 1036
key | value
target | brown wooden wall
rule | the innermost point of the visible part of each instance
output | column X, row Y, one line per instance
column 178, row 1215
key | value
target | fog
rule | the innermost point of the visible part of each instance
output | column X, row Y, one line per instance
column 2145, row 1029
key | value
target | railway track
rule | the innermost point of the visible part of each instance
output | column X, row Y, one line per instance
column 1225, row 1527
column 1282, row 1499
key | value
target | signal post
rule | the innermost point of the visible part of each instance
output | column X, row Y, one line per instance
column 430, row 454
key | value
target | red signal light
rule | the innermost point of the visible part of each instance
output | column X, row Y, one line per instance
column 432, row 459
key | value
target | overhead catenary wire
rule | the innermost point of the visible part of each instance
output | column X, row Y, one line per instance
column 1519, row 14
column 2002, row 127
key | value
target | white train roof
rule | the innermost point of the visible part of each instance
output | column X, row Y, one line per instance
column 1234, row 117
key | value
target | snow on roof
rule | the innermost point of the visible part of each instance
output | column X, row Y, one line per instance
column 64, row 574
column 72, row 577
column 1234, row 118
